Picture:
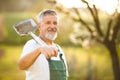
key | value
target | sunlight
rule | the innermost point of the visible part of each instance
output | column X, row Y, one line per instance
column 106, row 5
column 71, row 3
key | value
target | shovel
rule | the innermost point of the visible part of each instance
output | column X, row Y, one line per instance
column 26, row 28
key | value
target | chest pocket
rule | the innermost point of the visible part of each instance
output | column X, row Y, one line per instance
column 57, row 69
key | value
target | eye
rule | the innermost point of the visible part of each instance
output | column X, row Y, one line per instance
column 55, row 23
column 48, row 22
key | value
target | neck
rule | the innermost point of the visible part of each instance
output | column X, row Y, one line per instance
column 47, row 41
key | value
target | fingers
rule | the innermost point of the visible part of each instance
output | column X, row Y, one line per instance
column 49, row 51
column 55, row 52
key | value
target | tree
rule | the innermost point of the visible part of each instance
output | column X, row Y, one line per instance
column 108, row 37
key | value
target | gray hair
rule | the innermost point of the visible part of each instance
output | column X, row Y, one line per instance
column 44, row 13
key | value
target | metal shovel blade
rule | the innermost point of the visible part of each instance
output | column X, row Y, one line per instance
column 24, row 27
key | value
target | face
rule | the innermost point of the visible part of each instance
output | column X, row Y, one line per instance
column 48, row 27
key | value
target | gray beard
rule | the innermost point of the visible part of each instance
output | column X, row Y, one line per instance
column 51, row 36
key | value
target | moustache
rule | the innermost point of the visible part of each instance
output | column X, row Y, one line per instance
column 52, row 29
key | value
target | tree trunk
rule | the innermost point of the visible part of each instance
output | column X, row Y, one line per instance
column 115, row 59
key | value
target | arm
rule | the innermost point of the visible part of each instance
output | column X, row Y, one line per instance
column 27, row 60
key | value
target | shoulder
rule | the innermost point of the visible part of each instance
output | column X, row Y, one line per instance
column 29, row 46
column 30, row 42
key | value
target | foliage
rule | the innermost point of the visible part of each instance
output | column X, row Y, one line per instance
column 22, row 5
column 11, row 37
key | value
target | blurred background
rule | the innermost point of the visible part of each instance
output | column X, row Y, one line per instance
column 89, row 35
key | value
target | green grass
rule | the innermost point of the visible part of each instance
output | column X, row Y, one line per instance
column 77, row 59
column 8, row 63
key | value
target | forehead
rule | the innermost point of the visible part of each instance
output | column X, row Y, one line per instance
column 50, row 18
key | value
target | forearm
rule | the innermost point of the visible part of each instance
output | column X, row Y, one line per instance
column 26, row 61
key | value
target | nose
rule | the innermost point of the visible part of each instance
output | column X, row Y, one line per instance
column 52, row 25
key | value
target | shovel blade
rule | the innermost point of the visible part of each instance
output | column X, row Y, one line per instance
column 24, row 27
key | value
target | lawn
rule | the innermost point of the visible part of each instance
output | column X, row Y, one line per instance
column 81, row 63
column 8, row 63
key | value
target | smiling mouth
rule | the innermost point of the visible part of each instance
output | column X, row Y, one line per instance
column 52, row 29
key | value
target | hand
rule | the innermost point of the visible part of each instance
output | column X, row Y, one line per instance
column 48, row 51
